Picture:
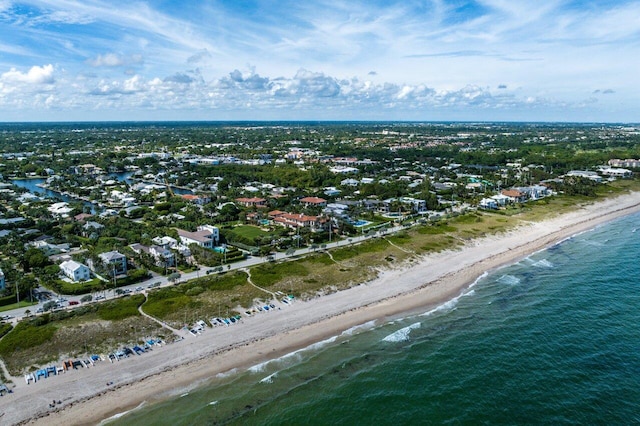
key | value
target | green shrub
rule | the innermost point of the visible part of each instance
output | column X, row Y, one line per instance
column 27, row 334
column 120, row 309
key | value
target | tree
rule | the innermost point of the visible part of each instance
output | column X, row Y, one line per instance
column 174, row 277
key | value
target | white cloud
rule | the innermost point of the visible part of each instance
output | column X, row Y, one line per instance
column 114, row 60
column 36, row 75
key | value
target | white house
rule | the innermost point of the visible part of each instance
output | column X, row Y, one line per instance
column 166, row 242
column 488, row 203
column 75, row 271
column 206, row 236
column 115, row 262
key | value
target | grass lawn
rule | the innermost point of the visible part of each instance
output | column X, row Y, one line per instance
column 248, row 231
column 22, row 304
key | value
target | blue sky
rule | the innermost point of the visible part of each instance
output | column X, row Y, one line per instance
column 517, row 60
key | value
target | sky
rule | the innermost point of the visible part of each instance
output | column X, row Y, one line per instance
column 453, row 60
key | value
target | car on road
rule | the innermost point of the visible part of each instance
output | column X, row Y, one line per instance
column 73, row 302
column 139, row 288
column 154, row 285
column 100, row 297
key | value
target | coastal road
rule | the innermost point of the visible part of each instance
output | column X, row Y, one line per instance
column 160, row 281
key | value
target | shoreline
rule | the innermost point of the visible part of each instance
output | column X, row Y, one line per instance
column 417, row 286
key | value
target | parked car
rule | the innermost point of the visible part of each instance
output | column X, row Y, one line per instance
column 74, row 302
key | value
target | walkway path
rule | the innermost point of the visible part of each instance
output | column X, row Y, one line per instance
column 248, row 272
column 181, row 333
column 398, row 247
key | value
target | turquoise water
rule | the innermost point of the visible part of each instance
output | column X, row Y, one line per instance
column 553, row 339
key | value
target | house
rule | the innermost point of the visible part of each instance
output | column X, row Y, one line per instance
column 514, row 195
column 299, row 220
column 196, row 199
column 252, row 202
column 616, row 172
column 91, row 227
column 488, row 203
column 349, row 182
column 114, row 262
column 416, row 205
column 166, row 242
column 161, row 255
column 585, row 174
column 3, row 284
column 206, row 236
column 313, row 202
column 61, row 209
column 501, row 200
column 82, row 217
column 75, row 271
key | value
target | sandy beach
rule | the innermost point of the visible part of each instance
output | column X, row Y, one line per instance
column 416, row 287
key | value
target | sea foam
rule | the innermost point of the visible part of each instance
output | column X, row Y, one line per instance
column 366, row 326
column 509, row 280
column 544, row 263
column 269, row 378
column 402, row 334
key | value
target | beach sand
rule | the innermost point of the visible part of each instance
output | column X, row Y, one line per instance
column 175, row 368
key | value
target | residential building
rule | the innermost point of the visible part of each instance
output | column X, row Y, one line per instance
column 299, row 220
column 196, row 199
column 313, row 202
column 252, row 202
column 206, row 236
column 75, row 271
column 166, row 242
column 514, row 195
column 585, row 174
column 114, row 262
column 161, row 255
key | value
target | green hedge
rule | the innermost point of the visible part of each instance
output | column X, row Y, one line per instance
column 7, row 300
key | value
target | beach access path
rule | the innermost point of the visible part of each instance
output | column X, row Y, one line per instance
column 416, row 287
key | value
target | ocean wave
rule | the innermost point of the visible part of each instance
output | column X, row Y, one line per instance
column 269, row 378
column 402, row 334
column 259, row 368
column 227, row 373
column 296, row 355
column 544, row 263
column 509, row 280
column 124, row 413
column 365, row 326
column 445, row 307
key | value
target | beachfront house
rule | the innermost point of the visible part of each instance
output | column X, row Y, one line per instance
column 488, row 203
column 161, row 256
column 514, row 195
column 299, row 220
column 206, row 236
column 114, row 262
column 75, row 271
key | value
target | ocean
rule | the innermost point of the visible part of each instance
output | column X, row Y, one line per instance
column 552, row 339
